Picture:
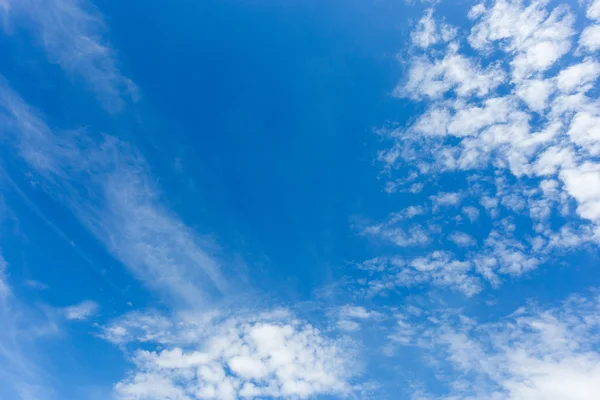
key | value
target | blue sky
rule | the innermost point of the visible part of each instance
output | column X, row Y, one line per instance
column 301, row 199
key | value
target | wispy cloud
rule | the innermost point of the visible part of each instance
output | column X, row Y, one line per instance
column 438, row 268
column 33, row 284
column 81, row 311
column 20, row 373
column 72, row 34
column 531, row 354
column 107, row 185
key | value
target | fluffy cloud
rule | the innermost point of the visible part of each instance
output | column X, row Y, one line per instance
column 431, row 79
column 425, row 33
column 265, row 355
column 536, row 38
column 590, row 38
column 525, row 131
column 461, row 239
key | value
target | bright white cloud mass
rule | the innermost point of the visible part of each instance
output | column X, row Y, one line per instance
column 239, row 233
column 267, row 355
column 537, row 138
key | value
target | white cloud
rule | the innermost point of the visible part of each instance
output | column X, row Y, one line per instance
column 476, row 11
column 593, row 11
column 4, row 288
column 425, row 33
column 81, row 311
column 510, row 256
column 153, row 327
column 350, row 318
column 22, row 373
column 590, row 38
column 357, row 312
column 532, row 354
column 108, row 186
column 471, row 212
column 71, row 33
column 415, row 235
column 437, row 268
column 462, row 239
column 544, row 126
column 583, row 183
column 445, row 199
column 470, row 120
column 413, row 211
column 535, row 93
column 434, row 122
column 265, row 355
column 580, row 77
column 536, row 38
column 585, row 132
column 428, row 79
column 33, row 284
column 348, row 325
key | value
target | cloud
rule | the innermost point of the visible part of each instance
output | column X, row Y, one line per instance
column 531, row 354
column 21, row 372
column 521, row 134
column 357, row 312
column 590, row 38
column 350, row 318
column 535, row 93
column 593, row 11
column 429, row 79
column 425, row 33
column 438, row 268
column 36, row 285
column 471, row 212
column 81, row 311
column 71, row 34
column 445, row 199
column 108, row 186
column 578, row 77
column 246, row 356
column 462, row 239
column 4, row 288
column 415, row 235
column 537, row 39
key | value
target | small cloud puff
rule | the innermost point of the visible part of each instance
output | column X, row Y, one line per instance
column 81, row 311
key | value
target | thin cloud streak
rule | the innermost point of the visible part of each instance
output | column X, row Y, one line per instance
column 71, row 32
column 108, row 187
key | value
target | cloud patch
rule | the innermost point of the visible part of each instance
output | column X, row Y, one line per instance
column 108, row 186
column 72, row 34
column 264, row 355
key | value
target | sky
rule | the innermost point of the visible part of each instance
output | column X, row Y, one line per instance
column 336, row 199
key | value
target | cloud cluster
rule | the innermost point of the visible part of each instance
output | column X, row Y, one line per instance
column 438, row 269
column 510, row 108
column 531, row 354
column 251, row 356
